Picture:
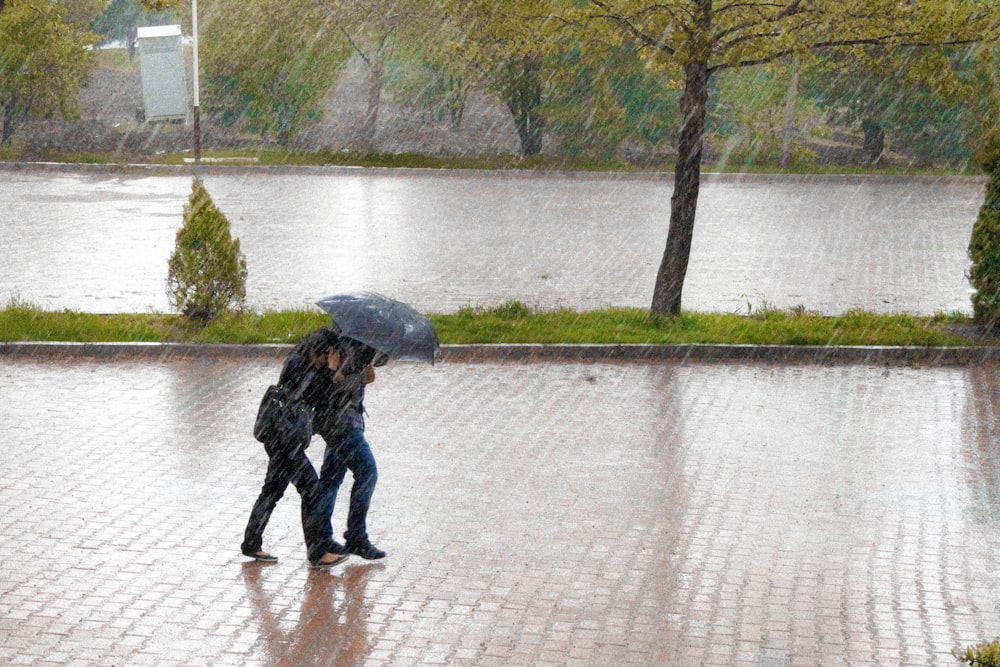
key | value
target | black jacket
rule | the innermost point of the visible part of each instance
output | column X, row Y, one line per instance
column 329, row 400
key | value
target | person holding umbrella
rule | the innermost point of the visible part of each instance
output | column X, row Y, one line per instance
column 372, row 329
column 309, row 360
column 339, row 420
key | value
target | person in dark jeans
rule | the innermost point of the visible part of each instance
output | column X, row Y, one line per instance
column 307, row 362
column 341, row 424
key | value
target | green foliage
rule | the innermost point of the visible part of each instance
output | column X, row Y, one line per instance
column 598, row 99
column 980, row 655
column 207, row 271
column 987, row 153
column 746, row 116
column 984, row 247
column 162, row 5
column 432, row 85
column 269, row 65
column 120, row 20
column 43, row 61
column 506, row 48
column 927, row 104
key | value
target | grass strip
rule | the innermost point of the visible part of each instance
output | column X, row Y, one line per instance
column 512, row 323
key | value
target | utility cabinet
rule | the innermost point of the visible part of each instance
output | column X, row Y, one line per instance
column 161, row 65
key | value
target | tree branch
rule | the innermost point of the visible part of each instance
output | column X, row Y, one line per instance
column 818, row 46
column 629, row 26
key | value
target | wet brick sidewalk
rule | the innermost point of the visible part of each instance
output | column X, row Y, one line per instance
column 561, row 513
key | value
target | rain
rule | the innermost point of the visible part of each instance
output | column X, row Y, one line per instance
column 573, row 508
column 445, row 240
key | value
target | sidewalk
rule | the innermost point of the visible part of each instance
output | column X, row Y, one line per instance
column 573, row 512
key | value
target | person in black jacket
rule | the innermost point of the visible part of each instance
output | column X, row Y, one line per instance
column 308, row 362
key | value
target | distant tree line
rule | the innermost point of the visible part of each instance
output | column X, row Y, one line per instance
column 268, row 66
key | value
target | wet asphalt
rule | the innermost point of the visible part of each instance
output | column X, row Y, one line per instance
column 540, row 506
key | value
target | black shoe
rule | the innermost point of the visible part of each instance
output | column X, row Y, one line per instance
column 365, row 549
column 261, row 556
column 329, row 560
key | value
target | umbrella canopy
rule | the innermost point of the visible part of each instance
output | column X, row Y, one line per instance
column 391, row 327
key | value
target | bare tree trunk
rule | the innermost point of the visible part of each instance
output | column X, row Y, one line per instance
column 375, row 79
column 874, row 146
column 684, row 202
column 790, row 99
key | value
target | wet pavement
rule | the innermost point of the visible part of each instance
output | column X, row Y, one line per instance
column 564, row 513
column 670, row 509
column 98, row 240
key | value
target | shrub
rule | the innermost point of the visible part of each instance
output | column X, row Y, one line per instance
column 980, row 655
column 984, row 248
column 207, row 271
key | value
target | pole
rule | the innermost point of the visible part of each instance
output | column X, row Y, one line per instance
column 195, row 84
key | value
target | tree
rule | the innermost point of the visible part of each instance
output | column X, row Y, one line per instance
column 268, row 65
column 507, row 47
column 207, row 271
column 43, row 61
column 890, row 100
column 753, row 113
column 121, row 20
column 421, row 78
column 372, row 28
column 599, row 98
column 695, row 39
column 984, row 247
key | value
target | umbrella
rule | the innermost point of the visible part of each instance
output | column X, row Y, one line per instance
column 391, row 327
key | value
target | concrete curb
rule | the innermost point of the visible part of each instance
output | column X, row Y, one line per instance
column 153, row 169
column 528, row 353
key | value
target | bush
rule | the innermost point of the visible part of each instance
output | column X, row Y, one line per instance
column 981, row 655
column 207, row 271
column 984, row 248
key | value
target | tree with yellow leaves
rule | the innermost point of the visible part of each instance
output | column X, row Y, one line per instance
column 692, row 40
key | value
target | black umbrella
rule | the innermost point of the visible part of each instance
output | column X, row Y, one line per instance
column 391, row 327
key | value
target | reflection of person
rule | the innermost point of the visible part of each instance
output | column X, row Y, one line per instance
column 332, row 621
column 339, row 419
column 307, row 361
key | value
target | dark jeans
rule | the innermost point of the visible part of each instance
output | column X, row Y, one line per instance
column 282, row 469
column 346, row 450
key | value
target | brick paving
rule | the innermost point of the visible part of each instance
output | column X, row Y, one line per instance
column 561, row 513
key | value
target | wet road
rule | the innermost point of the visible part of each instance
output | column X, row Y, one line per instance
column 99, row 242
column 559, row 513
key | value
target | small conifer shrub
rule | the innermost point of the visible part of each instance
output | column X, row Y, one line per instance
column 207, row 271
column 984, row 248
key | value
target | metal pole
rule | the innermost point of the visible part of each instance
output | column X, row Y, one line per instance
column 197, row 101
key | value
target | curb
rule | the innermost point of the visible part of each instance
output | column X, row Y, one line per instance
column 529, row 353
column 210, row 167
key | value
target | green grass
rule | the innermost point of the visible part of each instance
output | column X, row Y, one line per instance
column 510, row 323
